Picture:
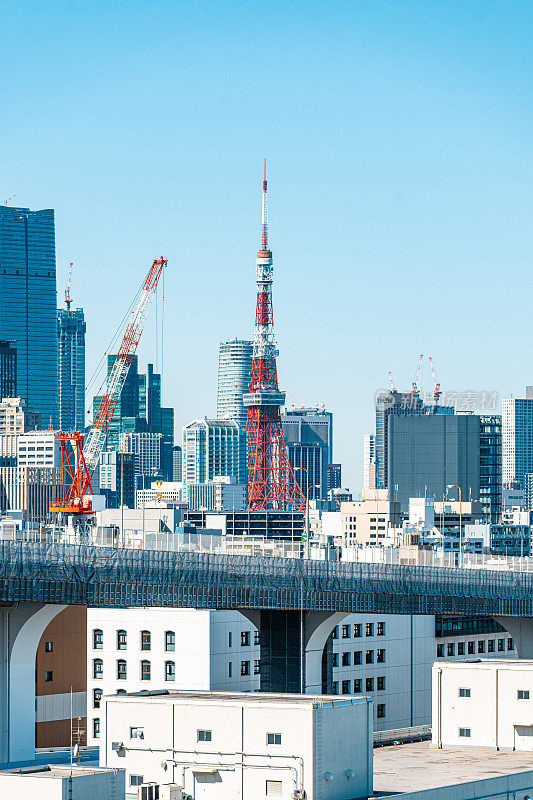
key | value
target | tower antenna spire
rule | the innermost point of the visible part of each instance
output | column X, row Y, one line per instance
column 264, row 211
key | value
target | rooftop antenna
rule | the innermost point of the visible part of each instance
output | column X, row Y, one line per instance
column 67, row 290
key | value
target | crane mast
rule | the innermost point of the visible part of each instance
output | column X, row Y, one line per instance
column 79, row 459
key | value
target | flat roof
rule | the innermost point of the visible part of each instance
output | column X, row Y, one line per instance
column 508, row 663
column 241, row 697
column 417, row 766
column 53, row 771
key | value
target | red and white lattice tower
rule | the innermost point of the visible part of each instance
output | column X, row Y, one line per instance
column 271, row 481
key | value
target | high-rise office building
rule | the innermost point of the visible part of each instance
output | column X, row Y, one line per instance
column 17, row 417
column 334, row 476
column 117, row 478
column 393, row 403
column 8, row 369
column 369, row 461
column 146, row 449
column 71, row 368
column 176, row 464
column 234, row 371
column 28, row 304
column 214, row 448
column 490, row 475
column 429, row 452
column 308, row 434
column 517, row 438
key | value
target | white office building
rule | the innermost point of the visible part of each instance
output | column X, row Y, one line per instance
column 129, row 650
column 369, row 461
column 483, row 703
column 146, row 447
column 230, row 746
column 234, row 372
column 214, row 447
column 38, row 449
column 221, row 494
column 161, row 492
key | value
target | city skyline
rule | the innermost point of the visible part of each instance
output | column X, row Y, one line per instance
column 392, row 220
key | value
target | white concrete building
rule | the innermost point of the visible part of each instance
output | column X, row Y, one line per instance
column 388, row 658
column 220, row 494
column 242, row 747
column 146, row 447
column 483, row 704
column 56, row 782
column 38, row 449
column 161, row 492
column 129, row 650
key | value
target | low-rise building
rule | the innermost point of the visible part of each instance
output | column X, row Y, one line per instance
column 220, row 494
column 369, row 521
column 57, row 782
column 16, row 416
column 229, row 746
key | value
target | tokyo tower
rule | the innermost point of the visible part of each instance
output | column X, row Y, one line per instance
column 271, row 481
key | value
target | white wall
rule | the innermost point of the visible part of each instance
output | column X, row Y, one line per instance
column 90, row 786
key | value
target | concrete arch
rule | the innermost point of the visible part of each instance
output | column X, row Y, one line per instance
column 317, row 629
column 522, row 632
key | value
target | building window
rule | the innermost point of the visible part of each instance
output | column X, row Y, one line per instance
column 501, row 645
column 170, row 671
column 145, row 670
column 381, row 657
column 522, row 694
column 440, row 651
column 369, row 628
column 96, row 728
column 230, row 669
column 335, row 632
column 481, row 646
column 146, row 640
column 257, row 667
column 346, row 659
column 460, row 648
column 204, row 736
column 245, row 638
column 98, row 668
column 245, row 667
column 136, row 733
column 97, row 696
column 122, row 640
column 464, row 733
column 358, row 685
column 257, row 638
column 490, row 646
column 230, row 639
column 380, row 710
column 357, row 631
column 48, row 647
column 369, row 685
column 451, row 649
column 369, row 656
column 510, row 644
column 170, row 641
column 122, row 670
column 136, row 780
column 357, row 657
column 381, row 629
column 273, row 738
column 98, row 639
column 471, row 648
column 346, row 687
column 335, row 687
column 49, row 675
column 335, row 660
column 464, row 692
column 381, row 683
column 345, row 631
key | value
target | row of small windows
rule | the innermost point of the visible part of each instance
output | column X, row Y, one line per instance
column 358, row 630
column 245, row 638
column 122, row 670
column 346, row 686
column 145, row 640
column 346, row 658
column 202, row 735
column 521, row 694
column 469, row 648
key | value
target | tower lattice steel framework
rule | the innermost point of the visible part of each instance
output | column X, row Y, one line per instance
column 271, row 481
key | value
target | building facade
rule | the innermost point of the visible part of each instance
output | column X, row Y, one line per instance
column 8, row 369
column 517, row 439
column 28, row 304
column 71, row 368
column 117, row 478
column 176, row 464
column 17, row 417
column 234, row 372
column 369, row 461
column 308, row 434
column 370, row 521
column 490, row 469
column 334, row 476
column 146, row 451
column 214, row 448
column 217, row 495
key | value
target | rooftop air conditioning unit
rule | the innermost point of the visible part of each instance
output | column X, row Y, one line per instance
column 299, row 794
column 171, row 791
column 148, row 791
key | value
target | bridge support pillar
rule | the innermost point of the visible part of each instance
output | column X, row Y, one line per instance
column 521, row 629
column 282, row 636
column 21, row 627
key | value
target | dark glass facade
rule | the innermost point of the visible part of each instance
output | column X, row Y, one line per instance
column 490, row 471
column 28, row 304
column 8, row 370
column 71, row 368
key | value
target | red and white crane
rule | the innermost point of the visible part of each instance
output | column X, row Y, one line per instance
column 78, row 457
column 436, row 392
column 414, row 385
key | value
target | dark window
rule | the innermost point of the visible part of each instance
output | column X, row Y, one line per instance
column 122, row 670
column 48, row 647
column 490, row 648
column 357, row 657
column 146, row 640
column 273, row 738
column 335, row 660
column 230, row 639
column 170, row 671
column 96, row 728
column 464, row 692
column 510, row 644
column 230, row 669
column 358, row 685
column 170, row 641
column 451, row 649
column 346, row 687
column 257, row 638
column 203, row 736
column 471, row 648
column 98, row 639
column 345, row 631
column 381, row 683
column 335, row 634
column 245, row 667
column 369, row 685
column 440, row 651
column 481, row 646
column 460, row 648
column 381, row 629
column 501, row 645
column 369, row 628
column 346, row 659
column 369, row 657
column 122, row 640
column 49, row 675
column 245, row 638
column 136, row 780
column 381, row 657
column 257, row 667
column 522, row 694
column 145, row 670
column 335, row 687
column 357, row 631
column 97, row 696
column 98, row 668
column 381, row 710
column 464, row 732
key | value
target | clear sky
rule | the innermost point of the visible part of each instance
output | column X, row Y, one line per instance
column 399, row 144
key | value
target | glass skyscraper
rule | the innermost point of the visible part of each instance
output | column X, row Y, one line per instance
column 490, row 468
column 28, row 303
column 71, row 369
column 517, row 439
column 234, row 371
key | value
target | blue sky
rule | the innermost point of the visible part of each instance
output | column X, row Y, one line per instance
column 399, row 145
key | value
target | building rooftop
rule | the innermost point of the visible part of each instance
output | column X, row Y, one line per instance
column 488, row 663
column 418, row 766
column 54, row 771
column 241, row 697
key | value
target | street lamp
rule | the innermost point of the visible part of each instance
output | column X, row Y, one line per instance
column 455, row 486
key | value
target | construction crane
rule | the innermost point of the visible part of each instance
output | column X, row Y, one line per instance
column 414, row 388
column 78, row 457
column 392, row 386
column 436, row 393
column 67, row 290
